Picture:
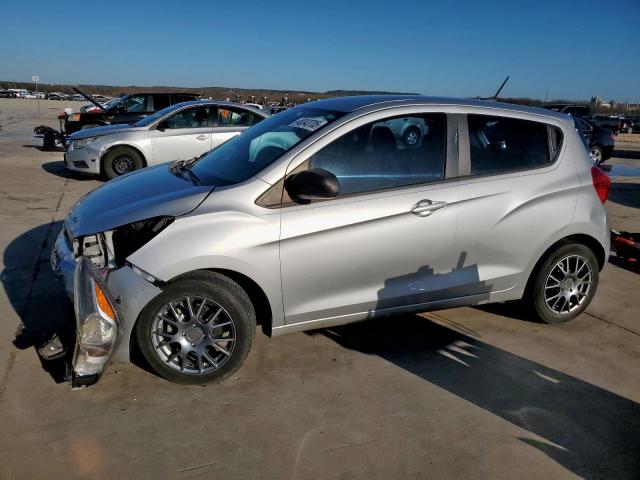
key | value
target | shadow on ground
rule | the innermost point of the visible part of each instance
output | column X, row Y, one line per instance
column 36, row 295
column 627, row 194
column 42, row 149
column 626, row 153
column 588, row 430
column 59, row 169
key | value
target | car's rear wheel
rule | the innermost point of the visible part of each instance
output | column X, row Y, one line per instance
column 565, row 284
column 120, row 161
column 596, row 154
column 198, row 330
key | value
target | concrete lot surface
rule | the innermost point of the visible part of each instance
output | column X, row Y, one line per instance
column 464, row 393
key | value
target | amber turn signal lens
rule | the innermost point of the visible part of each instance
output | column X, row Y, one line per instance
column 103, row 302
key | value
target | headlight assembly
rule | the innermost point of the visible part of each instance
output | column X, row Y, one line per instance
column 83, row 142
column 96, row 323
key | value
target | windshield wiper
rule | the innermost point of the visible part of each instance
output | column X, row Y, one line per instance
column 185, row 166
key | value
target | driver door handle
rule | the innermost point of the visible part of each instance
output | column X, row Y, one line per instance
column 424, row 208
column 201, row 137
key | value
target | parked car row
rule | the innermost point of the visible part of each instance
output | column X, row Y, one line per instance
column 326, row 213
column 179, row 132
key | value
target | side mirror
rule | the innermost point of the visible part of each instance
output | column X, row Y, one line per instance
column 313, row 184
column 163, row 125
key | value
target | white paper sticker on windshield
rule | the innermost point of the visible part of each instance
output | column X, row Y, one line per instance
column 311, row 124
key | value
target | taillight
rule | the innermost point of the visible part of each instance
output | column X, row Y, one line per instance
column 601, row 182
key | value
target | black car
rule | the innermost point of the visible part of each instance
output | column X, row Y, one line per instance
column 599, row 141
column 7, row 94
column 127, row 109
column 574, row 110
column 634, row 125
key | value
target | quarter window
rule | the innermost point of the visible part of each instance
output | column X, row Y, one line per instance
column 393, row 153
column 502, row 144
column 232, row 118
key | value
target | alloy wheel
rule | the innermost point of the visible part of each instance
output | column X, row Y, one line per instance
column 568, row 284
column 193, row 334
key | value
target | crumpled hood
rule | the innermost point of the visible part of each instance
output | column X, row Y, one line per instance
column 146, row 193
column 106, row 130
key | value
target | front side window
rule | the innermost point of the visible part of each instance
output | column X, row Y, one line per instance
column 236, row 118
column 259, row 146
column 502, row 144
column 195, row 117
column 386, row 154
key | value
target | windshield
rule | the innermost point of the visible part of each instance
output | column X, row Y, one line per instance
column 111, row 103
column 148, row 120
column 245, row 155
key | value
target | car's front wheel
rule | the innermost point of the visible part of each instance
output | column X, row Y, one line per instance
column 565, row 283
column 198, row 330
column 120, row 161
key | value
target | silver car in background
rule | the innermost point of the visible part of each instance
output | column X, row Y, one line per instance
column 319, row 216
column 178, row 132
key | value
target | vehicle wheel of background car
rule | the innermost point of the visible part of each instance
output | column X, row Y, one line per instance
column 411, row 137
column 564, row 284
column 595, row 153
column 198, row 330
column 121, row 160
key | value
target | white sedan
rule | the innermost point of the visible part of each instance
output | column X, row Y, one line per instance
column 180, row 132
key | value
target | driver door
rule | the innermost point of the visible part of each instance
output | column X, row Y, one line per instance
column 387, row 241
column 184, row 135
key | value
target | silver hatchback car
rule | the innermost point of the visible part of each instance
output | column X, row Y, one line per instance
column 321, row 216
column 179, row 132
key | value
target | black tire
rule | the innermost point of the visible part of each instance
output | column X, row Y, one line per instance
column 120, row 161
column 535, row 300
column 225, row 293
column 411, row 137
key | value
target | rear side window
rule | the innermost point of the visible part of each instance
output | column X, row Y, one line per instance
column 502, row 144
column 179, row 98
column 160, row 102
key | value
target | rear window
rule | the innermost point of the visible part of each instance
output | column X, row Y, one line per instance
column 502, row 144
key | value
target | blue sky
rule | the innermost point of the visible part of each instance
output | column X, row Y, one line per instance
column 575, row 49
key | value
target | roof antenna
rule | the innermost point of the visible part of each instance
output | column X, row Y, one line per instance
column 495, row 96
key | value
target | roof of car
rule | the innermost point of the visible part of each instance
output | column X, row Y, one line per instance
column 351, row 104
column 219, row 103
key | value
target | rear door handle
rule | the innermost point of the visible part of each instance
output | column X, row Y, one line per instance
column 201, row 137
column 424, row 208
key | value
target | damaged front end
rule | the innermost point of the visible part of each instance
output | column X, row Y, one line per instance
column 100, row 319
column 97, row 325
